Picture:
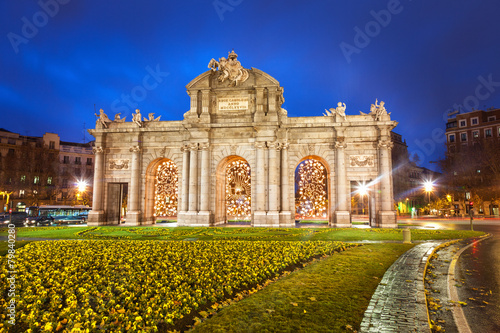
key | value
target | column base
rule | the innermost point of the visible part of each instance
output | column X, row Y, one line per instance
column 387, row 219
column 259, row 219
column 287, row 220
column 96, row 218
column 206, row 218
column 133, row 218
column 342, row 219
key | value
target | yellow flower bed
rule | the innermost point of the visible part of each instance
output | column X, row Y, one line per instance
column 94, row 285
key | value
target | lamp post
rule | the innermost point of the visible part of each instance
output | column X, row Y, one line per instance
column 428, row 188
column 81, row 186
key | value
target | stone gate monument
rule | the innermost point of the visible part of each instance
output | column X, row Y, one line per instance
column 236, row 153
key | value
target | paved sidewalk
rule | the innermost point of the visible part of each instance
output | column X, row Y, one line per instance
column 398, row 304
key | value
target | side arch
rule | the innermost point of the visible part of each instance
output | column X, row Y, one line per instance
column 151, row 187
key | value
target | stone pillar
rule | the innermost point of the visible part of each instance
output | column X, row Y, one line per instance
column 259, row 215
column 96, row 215
column 274, row 177
column 342, row 216
column 387, row 214
column 133, row 209
column 285, row 214
column 193, row 178
column 184, row 190
column 205, row 105
column 205, row 216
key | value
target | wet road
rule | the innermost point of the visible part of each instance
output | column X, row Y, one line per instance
column 478, row 270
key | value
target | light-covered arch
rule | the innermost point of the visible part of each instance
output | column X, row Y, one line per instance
column 162, row 188
column 312, row 188
column 241, row 187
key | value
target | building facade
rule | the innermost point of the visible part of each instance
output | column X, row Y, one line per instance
column 42, row 170
column 473, row 159
column 237, row 153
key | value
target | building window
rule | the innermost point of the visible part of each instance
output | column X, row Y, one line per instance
column 49, row 181
column 498, row 131
column 89, row 160
column 463, row 123
column 12, row 141
column 451, row 138
column 21, row 193
column 452, row 149
column 78, row 160
column 463, row 137
column 474, row 121
column 64, row 183
column 52, row 145
column 23, row 178
column 475, row 134
column 487, row 133
column 66, row 159
column 36, row 180
column 78, row 172
column 492, row 118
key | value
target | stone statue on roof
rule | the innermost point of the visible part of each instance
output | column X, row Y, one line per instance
column 229, row 69
column 102, row 119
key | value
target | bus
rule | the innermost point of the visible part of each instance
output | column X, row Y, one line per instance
column 56, row 214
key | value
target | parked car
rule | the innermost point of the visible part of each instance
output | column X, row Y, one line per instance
column 16, row 218
column 40, row 220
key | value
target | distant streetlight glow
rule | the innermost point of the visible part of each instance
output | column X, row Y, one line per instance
column 428, row 186
column 362, row 189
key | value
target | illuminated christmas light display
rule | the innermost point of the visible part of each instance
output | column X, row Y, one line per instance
column 166, row 190
column 311, row 190
column 238, row 187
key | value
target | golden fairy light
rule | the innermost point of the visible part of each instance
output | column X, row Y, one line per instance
column 311, row 190
column 238, row 187
column 166, row 189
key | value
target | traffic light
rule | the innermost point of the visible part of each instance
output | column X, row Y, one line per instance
column 471, row 204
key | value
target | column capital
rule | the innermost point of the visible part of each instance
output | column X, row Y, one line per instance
column 204, row 146
column 274, row 145
column 340, row 144
column 260, row 145
column 185, row 148
column 97, row 150
column 385, row 144
column 285, row 145
column 135, row 149
column 193, row 147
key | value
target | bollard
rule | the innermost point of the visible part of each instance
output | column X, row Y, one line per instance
column 406, row 235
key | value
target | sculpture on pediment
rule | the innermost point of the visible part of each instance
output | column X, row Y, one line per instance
column 152, row 117
column 229, row 69
column 102, row 119
column 136, row 117
column 377, row 110
column 118, row 119
column 339, row 110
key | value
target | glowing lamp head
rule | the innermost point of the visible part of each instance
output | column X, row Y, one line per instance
column 428, row 186
column 362, row 189
column 81, row 185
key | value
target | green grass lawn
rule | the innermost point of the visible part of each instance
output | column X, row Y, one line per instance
column 4, row 246
column 329, row 295
column 203, row 233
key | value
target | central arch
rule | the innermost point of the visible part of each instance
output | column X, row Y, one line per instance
column 233, row 201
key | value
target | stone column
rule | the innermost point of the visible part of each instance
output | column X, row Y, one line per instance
column 97, row 213
column 285, row 214
column 193, row 178
column 259, row 215
column 185, row 179
column 274, row 178
column 387, row 214
column 133, row 211
column 205, row 216
column 342, row 216
column 205, row 105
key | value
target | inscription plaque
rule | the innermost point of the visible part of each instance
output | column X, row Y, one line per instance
column 233, row 103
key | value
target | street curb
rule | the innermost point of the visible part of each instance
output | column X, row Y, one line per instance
column 458, row 313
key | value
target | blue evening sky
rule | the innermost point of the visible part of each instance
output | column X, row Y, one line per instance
column 424, row 58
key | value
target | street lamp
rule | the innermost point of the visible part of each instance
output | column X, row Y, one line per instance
column 428, row 188
column 362, row 191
